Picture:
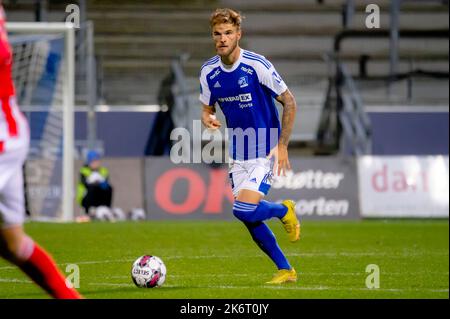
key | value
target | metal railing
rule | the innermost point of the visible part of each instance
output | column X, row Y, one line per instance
column 357, row 134
column 89, row 83
column 180, row 92
column 344, row 124
column 394, row 33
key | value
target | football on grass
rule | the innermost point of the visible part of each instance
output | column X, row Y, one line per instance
column 148, row 272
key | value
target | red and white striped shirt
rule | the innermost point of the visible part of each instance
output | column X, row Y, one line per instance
column 6, row 82
column 11, row 119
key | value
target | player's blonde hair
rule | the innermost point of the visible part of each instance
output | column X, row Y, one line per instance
column 225, row 15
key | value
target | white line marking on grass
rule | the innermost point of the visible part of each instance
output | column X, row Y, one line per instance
column 310, row 254
column 125, row 285
column 358, row 289
column 87, row 262
column 15, row 280
column 7, row 267
column 110, row 284
column 311, row 288
column 363, row 254
column 306, row 254
column 320, row 288
column 301, row 274
column 93, row 262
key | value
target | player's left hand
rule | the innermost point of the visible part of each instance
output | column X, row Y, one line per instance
column 280, row 154
column 283, row 160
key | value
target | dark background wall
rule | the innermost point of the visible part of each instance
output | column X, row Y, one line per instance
column 125, row 134
column 410, row 133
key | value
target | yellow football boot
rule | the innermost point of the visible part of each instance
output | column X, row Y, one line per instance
column 284, row 276
column 290, row 221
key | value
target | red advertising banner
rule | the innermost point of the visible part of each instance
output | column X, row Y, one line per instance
column 324, row 188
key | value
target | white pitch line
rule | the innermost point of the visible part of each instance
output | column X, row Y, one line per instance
column 316, row 254
column 301, row 274
column 15, row 280
column 286, row 287
column 10, row 280
column 109, row 284
column 7, row 267
column 313, row 254
column 87, row 262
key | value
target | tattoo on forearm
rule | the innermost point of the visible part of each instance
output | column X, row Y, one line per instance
column 287, row 121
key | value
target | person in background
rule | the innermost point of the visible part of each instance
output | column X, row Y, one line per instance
column 94, row 189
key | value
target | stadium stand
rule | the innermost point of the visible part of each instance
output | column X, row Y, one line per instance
column 136, row 42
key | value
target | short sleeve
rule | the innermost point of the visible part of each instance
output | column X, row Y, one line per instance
column 270, row 78
column 205, row 92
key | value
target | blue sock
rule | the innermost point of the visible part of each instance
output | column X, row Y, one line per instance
column 274, row 209
column 253, row 213
column 266, row 240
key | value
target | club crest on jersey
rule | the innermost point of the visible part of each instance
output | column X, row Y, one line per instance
column 243, row 82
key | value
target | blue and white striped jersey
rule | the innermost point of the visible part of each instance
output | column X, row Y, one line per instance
column 245, row 93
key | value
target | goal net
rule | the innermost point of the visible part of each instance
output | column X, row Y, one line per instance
column 43, row 72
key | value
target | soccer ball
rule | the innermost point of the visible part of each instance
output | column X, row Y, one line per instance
column 148, row 272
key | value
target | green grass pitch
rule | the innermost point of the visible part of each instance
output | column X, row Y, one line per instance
column 218, row 259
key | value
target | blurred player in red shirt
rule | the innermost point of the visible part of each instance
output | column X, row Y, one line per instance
column 15, row 245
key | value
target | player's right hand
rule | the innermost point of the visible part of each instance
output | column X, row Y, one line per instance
column 212, row 123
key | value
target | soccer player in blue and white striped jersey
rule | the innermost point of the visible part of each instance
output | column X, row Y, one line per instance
column 245, row 84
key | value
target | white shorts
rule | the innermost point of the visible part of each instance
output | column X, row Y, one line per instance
column 255, row 174
column 12, row 158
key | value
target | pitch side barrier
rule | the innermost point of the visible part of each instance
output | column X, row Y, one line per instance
column 324, row 188
column 404, row 186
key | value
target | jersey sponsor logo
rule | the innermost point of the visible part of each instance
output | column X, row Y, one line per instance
column 216, row 73
column 217, row 85
column 243, row 82
column 229, row 99
column 247, row 97
column 244, row 105
column 247, row 70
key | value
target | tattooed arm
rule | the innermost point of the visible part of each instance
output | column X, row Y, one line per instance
column 287, row 123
